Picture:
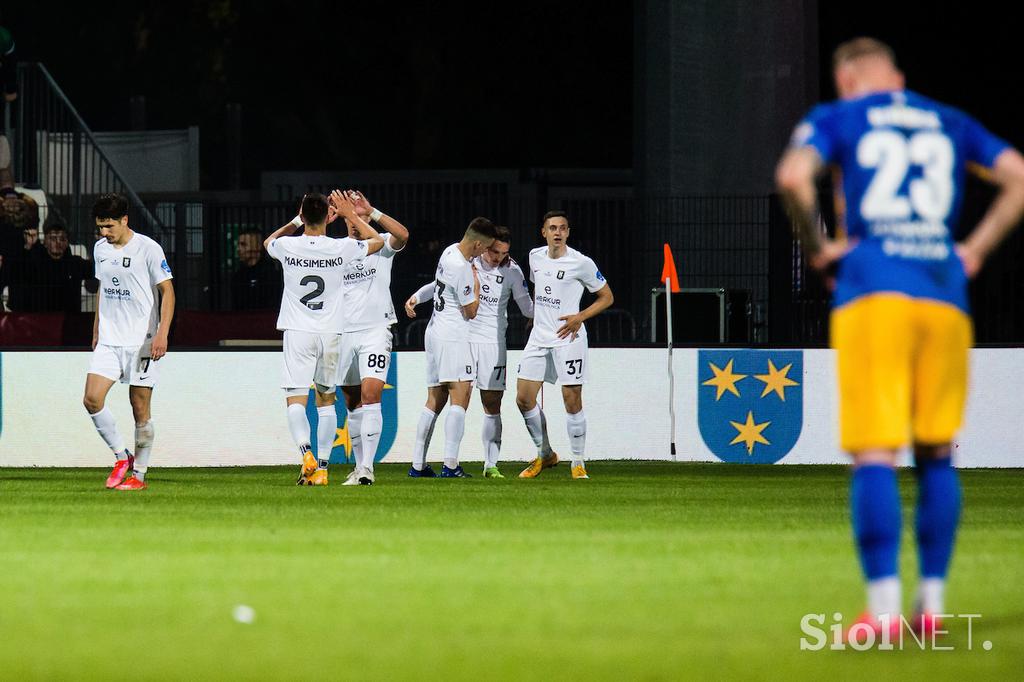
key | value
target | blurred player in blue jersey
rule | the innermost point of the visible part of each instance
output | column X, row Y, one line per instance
column 900, row 321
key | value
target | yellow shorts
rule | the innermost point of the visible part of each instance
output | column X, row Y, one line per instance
column 902, row 370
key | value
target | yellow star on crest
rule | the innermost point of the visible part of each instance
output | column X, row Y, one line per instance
column 343, row 437
column 749, row 433
column 724, row 380
column 776, row 380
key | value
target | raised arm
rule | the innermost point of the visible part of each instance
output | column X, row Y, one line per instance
column 399, row 233
column 346, row 208
column 1003, row 214
column 286, row 229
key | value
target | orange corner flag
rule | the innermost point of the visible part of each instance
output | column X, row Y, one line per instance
column 668, row 271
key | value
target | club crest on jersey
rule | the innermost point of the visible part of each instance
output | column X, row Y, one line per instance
column 750, row 403
column 341, row 453
column 499, row 279
column 126, row 262
column 466, row 291
column 561, row 274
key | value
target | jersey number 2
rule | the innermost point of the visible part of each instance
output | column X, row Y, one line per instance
column 318, row 289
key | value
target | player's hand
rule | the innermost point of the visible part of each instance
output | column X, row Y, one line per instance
column 971, row 259
column 159, row 347
column 410, row 307
column 363, row 207
column 571, row 327
column 831, row 252
column 343, row 205
column 332, row 214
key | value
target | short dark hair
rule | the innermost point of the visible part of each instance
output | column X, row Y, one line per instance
column 54, row 227
column 314, row 208
column 502, row 234
column 554, row 214
column 480, row 227
column 861, row 47
column 252, row 230
column 111, row 206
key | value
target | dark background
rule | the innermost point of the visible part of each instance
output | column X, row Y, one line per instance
column 375, row 86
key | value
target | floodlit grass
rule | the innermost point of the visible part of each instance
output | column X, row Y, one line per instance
column 646, row 571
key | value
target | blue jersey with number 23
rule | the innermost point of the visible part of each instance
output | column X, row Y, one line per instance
column 904, row 159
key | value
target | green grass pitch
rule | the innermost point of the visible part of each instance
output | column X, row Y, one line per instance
column 646, row 571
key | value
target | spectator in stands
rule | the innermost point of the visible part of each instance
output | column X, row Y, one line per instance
column 58, row 275
column 9, row 84
column 19, row 245
column 256, row 285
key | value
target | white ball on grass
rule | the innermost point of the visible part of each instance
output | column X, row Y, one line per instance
column 244, row 614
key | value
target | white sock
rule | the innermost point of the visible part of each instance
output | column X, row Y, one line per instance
column 537, row 426
column 885, row 597
column 299, row 426
column 454, row 429
column 355, row 434
column 144, row 434
column 931, row 595
column 107, row 428
column 326, row 431
column 373, row 422
column 424, row 430
column 576, row 425
column 491, row 437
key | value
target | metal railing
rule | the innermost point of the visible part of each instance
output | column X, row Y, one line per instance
column 54, row 150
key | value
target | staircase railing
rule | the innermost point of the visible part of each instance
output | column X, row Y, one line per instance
column 56, row 151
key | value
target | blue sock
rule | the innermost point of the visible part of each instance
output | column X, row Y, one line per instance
column 877, row 519
column 938, row 513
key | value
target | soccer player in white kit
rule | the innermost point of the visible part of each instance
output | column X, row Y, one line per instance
column 366, row 338
column 134, row 307
column 557, row 348
column 501, row 279
column 450, row 366
column 312, row 314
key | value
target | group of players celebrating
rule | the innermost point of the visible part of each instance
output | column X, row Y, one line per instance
column 336, row 315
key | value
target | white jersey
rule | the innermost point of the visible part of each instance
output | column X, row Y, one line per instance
column 453, row 288
column 128, row 312
column 313, row 268
column 367, row 288
column 497, row 286
column 558, row 287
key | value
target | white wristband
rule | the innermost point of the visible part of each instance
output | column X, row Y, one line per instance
column 297, row 221
column 375, row 215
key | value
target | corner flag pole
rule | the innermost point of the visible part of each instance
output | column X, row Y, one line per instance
column 671, row 280
column 671, row 374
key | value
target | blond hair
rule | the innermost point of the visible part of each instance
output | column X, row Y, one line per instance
column 861, row 47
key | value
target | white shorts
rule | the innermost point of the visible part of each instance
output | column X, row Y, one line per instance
column 365, row 354
column 566, row 364
column 489, row 362
column 128, row 364
column 448, row 361
column 310, row 358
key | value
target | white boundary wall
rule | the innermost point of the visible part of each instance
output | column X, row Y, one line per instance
column 225, row 408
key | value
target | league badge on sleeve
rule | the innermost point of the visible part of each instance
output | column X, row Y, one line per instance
column 750, row 403
column 165, row 267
